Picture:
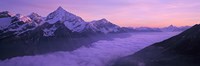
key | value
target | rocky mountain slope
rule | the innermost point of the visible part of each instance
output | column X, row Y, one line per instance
column 59, row 31
column 180, row 50
column 33, row 34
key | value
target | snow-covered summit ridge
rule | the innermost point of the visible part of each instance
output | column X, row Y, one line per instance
column 6, row 14
column 23, row 18
column 103, row 26
column 36, row 18
column 61, row 15
column 19, row 17
column 15, row 24
column 71, row 21
column 101, row 21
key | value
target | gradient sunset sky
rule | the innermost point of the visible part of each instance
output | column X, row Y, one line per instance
column 134, row 13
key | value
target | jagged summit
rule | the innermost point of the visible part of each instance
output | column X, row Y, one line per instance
column 60, row 9
column 103, row 26
column 104, row 20
column 171, row 26
column 34, row 14
column 60, row 14
column 23, row 18
column 36, row 18
column 71, row 21
column 6, row 14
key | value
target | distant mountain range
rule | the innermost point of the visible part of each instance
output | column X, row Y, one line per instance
column 18, row 24
column 180, row 50
column 59, row 31
column 170, row 28
column 28, row 35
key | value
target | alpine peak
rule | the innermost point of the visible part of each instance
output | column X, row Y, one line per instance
column 6, row 14
column 71, row 21
column 34, row 14
column 172, row 26
column 60, row 8
column 104, row 20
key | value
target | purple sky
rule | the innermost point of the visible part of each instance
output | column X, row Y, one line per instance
column 153, row 13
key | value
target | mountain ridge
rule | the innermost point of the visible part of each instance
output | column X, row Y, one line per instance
column 180, row 50
column 34, row 34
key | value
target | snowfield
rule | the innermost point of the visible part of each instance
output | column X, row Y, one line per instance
column 101, row 53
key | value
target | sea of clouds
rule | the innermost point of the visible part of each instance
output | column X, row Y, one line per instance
column 101, row 53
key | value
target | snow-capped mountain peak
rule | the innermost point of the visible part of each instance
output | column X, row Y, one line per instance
column 60, row 15
column 36, row 18
column 33, row 15
column 104, row 20
column 71, row 21
column 101, row 21
column 23, row 18
column 103, row 26
column 15, row 25
column 6, row 14
column 62, row 12
column 60, row 9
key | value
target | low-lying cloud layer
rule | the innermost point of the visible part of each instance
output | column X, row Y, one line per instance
column 101, row 53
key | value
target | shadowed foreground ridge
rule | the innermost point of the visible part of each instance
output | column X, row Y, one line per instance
column 180, row 50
